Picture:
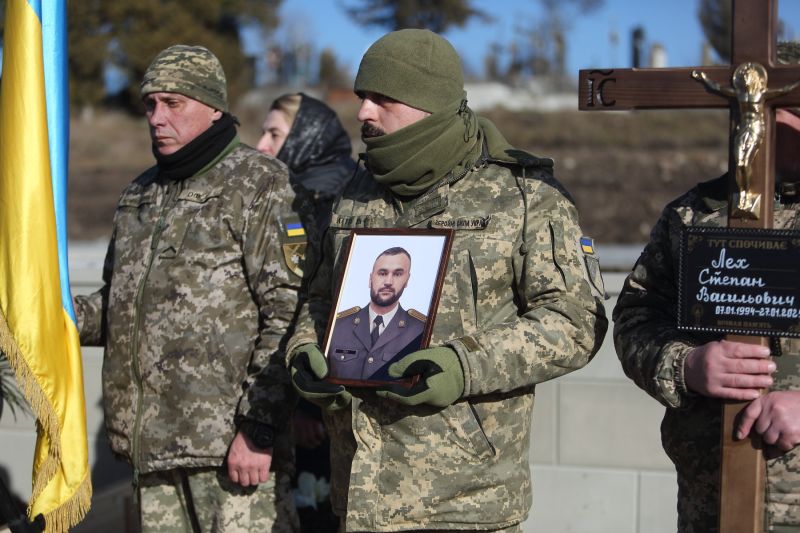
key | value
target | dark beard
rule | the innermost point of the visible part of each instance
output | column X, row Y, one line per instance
column 384, row 302
column 369, row 131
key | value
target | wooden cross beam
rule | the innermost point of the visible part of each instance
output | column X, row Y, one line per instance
column 753, row 41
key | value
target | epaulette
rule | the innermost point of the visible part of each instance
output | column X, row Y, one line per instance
column 531, row 161
column 348, row 312
column 524, row 159
column 416, row 314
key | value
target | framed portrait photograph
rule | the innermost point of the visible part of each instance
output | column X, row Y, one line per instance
column 386, row 302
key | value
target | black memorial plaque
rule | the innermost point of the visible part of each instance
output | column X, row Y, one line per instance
column 740, row 281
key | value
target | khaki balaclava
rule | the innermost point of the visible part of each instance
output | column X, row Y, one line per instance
column 422, row 70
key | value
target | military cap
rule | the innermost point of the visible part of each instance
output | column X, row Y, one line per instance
column 192, row 71
column 416, row 67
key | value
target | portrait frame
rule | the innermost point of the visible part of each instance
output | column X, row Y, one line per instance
column 352, row 357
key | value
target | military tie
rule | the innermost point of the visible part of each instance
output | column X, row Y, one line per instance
column 376, row 330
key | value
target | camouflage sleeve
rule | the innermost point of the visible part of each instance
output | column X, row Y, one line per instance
column 648, row 343
column 90, row 309
column 268, row 396
column 313, row 314
column 560, row 321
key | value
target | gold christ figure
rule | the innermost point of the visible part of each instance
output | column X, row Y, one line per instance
column 749, row 87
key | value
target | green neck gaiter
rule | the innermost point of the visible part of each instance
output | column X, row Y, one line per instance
column 414, row 158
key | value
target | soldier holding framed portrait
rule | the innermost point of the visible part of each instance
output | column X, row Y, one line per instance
column 520, row 303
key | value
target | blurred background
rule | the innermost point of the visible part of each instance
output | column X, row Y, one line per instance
column 597, row 460
column 521, row 58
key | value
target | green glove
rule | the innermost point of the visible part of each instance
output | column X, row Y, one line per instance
column 308, row 367
column 441, row 379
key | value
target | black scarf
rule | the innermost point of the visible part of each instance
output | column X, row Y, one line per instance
column 199, row 152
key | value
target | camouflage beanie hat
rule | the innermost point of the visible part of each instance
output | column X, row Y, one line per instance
column 192, row 71
column 416, row 67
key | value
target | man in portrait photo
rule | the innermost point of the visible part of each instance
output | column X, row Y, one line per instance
column 364, row 341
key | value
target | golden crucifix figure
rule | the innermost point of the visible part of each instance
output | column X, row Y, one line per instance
column 749, row 87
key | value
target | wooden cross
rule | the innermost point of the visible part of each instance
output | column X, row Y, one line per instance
column 753, row 40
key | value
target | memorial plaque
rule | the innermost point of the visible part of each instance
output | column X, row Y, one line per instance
column 739, row 281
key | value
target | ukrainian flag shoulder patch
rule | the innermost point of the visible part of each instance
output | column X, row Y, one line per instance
column 587, row 245
column 293, row 240
column 294, row 229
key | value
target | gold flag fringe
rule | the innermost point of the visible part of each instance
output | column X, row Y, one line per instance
column 73, row 510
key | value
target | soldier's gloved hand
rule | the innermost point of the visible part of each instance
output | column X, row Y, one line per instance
column 441, row 379
column 308, row 367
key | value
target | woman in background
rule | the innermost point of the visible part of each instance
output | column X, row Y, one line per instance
column 306, row 134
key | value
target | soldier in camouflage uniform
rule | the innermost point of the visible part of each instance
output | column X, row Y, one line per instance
column 690, row 372
column 521, row 304
column 196, row 299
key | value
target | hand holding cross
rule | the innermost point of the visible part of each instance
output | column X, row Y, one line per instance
column 753, row 43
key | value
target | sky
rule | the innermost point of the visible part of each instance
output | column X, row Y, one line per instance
column 671, row 23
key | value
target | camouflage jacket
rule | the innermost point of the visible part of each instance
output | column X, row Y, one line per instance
column 652, row 351
column 195, row 302
column 517, row 306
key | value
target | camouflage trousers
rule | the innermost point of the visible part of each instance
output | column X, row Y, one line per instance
column 512, row 529
column 205, row 500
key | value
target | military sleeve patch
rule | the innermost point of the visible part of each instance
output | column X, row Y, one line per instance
column 591, row 266
column 295, row 229
column 293, row 242
column 413, row 313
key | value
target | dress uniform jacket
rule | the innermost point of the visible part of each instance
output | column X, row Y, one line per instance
column 352, row 354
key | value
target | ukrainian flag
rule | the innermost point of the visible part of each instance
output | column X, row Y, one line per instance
column 37, row 322
column 587, row 245
column 295, row 229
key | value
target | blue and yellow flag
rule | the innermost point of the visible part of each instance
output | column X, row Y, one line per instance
column 37, row 321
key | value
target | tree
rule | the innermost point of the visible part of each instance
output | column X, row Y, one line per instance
column 434, row 15
column 129, row 33
column 542, row 47
column 715, row 19
column 87, row 39
column 142, row 28
column 491, row 62
column 331, row 74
